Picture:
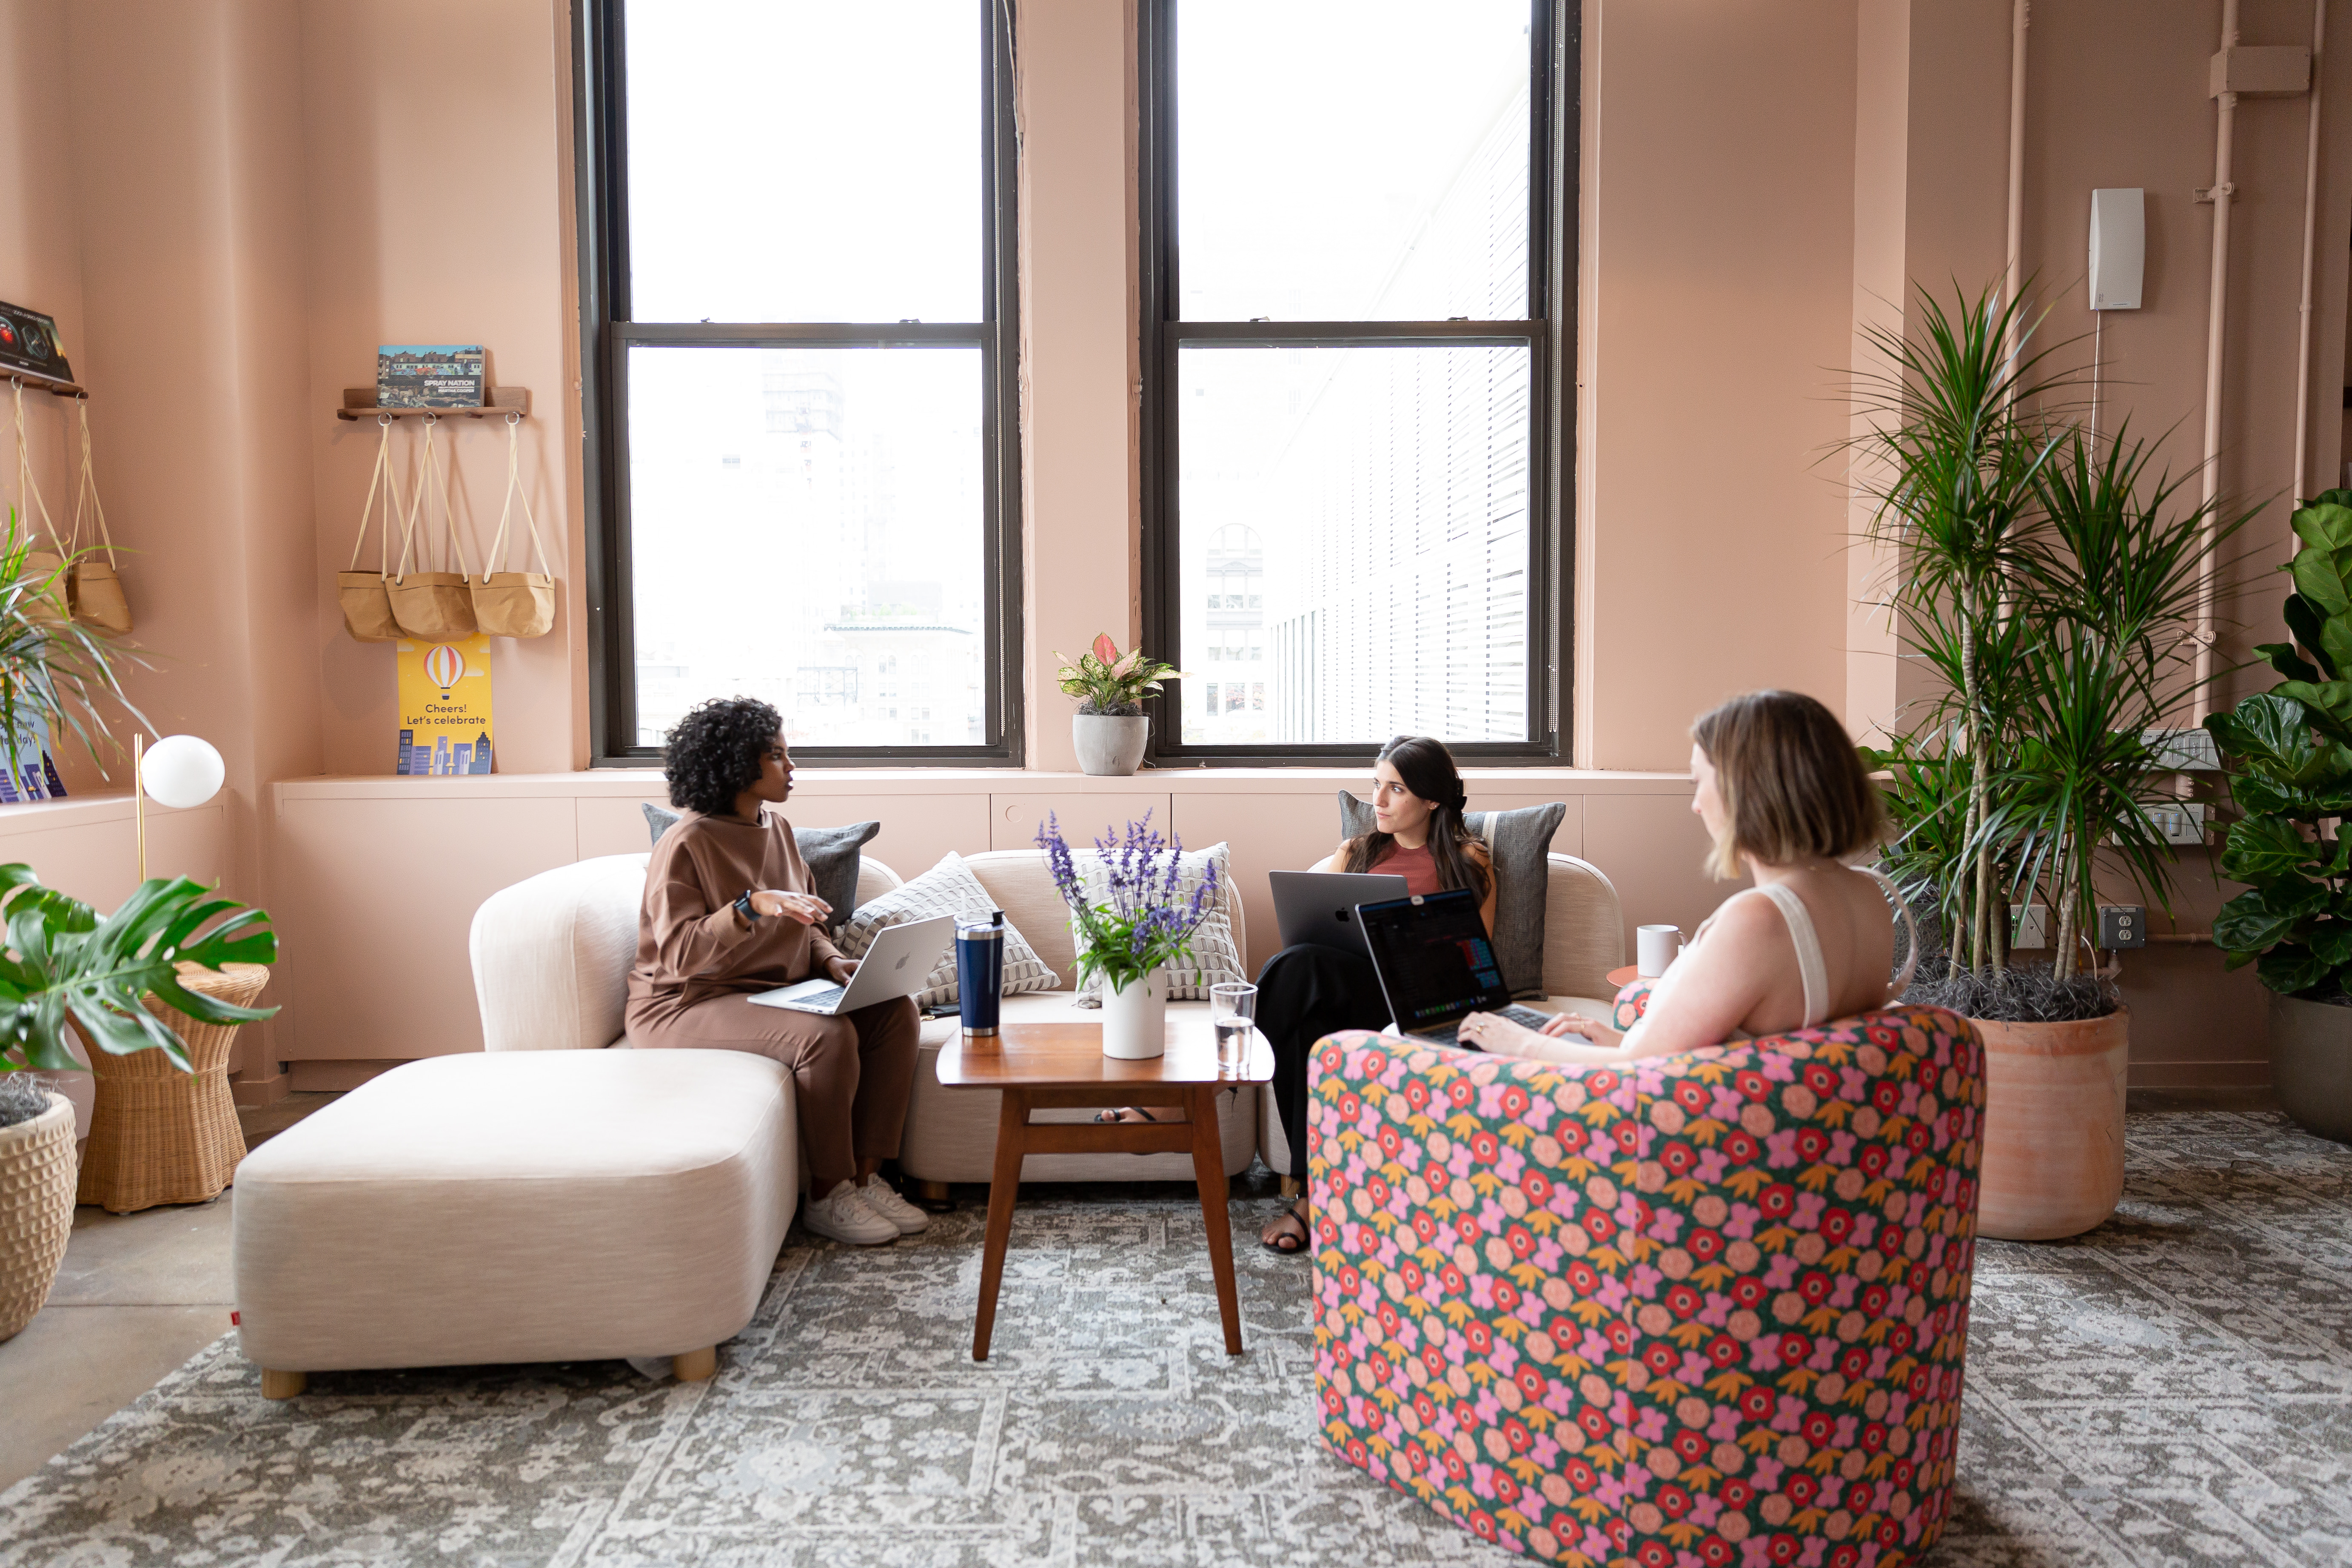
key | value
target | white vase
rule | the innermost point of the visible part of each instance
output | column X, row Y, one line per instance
column 1135, row 1021
column 1110, row 745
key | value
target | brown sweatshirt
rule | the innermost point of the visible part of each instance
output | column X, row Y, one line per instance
column 692, row 945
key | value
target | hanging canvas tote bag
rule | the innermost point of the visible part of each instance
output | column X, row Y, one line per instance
column 431, row 606
column 515, row 604
column 42, row 570
column 367, row 607
column 92, row 586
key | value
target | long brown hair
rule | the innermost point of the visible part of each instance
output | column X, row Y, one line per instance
column 1791, row 783
column 1428, row 771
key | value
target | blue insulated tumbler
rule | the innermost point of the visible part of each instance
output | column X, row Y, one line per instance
column 980, row 969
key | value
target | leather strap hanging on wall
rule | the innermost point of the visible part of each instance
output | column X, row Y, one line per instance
column 367, row 607
column 431, row 607
column 42, row 570
column 515, row 604
column 92, row 587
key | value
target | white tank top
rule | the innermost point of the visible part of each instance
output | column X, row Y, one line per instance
column 1811, row 968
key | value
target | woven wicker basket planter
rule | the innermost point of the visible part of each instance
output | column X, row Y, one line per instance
column 159, row 1135
column 36, row 1205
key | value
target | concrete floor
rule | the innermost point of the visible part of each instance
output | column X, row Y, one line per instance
column 138, row 1295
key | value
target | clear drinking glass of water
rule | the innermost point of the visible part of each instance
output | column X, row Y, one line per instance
column 1234, row 1010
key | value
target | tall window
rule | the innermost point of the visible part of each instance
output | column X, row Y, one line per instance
column 799, row 286
column 1352, row 336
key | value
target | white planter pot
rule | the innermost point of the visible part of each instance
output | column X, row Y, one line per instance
column 1135, row 1021
column 1110, row 746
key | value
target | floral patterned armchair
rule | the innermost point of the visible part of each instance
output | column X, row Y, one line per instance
column 1707, row 1310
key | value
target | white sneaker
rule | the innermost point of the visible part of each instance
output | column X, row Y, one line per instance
column 842, row 1215
column 882, row 1199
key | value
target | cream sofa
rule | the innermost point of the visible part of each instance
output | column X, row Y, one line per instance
column 551, row 954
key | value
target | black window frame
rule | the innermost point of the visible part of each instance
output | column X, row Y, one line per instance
column 1548, row 333
column 607, row 333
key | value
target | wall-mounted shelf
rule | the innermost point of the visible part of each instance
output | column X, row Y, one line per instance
column 39, row 383
column 358, row 402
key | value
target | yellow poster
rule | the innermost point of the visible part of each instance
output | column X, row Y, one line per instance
column 444, row 706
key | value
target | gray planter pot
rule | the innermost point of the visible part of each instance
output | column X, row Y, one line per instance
column 1108, row 746
column 2310, row 1064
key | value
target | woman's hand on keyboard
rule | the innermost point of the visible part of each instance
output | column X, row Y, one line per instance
column 1489, row 1033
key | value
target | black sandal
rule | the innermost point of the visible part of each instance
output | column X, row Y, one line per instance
column 1118, row 1115
column 1305, row 1234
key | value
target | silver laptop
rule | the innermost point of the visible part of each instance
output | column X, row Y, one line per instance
column 1320, row 906
column 899, row 963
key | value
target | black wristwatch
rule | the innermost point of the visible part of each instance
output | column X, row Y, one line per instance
column 743, row 906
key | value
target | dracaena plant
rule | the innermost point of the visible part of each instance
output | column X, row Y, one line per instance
column 2053, row 585
column 1106, row 681
column 64, row 963
column 1139, row 919
column 2289, row 764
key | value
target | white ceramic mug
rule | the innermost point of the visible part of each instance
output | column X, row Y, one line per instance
column 1656, row 948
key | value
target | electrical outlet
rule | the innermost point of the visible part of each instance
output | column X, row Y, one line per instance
column 2123, row 925
column 2181, row 821
column 2183, row 751
column 2029, row 926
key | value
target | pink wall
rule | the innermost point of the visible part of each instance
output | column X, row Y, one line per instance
column 238, row 199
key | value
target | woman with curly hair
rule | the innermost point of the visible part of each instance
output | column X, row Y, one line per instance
column 730, row 909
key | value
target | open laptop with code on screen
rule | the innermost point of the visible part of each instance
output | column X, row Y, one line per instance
column 1437, row 965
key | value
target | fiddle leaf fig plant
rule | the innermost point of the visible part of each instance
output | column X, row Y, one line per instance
column 2289, row 764
column 64, row 963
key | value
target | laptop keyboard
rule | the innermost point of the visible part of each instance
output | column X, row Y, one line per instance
column 815, row 999
column 1526, row 1017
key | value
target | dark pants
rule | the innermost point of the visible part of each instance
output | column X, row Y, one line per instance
column 1305, row 992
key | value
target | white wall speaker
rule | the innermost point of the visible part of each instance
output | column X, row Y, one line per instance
column 2118, row 246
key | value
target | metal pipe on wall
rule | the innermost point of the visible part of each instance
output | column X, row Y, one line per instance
column 2216, row 318
column 2310, row 251
column 2021, row 18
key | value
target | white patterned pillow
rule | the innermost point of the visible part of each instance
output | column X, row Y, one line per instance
column 947, row 889
column 1216, row 959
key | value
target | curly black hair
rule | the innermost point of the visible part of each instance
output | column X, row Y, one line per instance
column 713, row 753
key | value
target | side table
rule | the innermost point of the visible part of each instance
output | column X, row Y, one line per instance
column 159, row 1135
column 1063, row 1065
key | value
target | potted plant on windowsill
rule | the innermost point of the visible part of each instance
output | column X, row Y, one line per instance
column 1133, row 930
column 2054, row 583
column 1110, row 728
column 64, row 964
column 2288, row 757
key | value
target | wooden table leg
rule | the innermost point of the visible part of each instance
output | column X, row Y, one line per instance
column 1004, row 1186
column 1209, row 1171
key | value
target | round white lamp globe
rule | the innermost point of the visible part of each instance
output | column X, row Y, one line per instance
column 182, row 770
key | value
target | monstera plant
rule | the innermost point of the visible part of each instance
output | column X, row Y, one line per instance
column 2289, row 752
column 65, row 964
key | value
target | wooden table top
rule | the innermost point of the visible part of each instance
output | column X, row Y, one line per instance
column 1038, row 1055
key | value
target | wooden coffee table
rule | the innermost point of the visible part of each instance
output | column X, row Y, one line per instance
column 1062, row 1065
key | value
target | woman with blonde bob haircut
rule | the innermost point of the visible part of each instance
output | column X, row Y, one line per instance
column 1782, row 792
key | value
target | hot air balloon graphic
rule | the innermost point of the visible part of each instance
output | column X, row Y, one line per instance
column 444, row 667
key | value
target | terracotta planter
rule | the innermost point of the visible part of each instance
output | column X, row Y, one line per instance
column 2053, row 1139
column 36, row 1205
column 2310, row 1064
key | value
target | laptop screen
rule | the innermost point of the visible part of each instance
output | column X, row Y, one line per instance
column 1434, row 960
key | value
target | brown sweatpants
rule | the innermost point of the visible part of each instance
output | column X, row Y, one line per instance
column 852, row 1075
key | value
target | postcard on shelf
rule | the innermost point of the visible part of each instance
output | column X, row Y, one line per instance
column 431, row 375
column 444, row 707
column 28, row 340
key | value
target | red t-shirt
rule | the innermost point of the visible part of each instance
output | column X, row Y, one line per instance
column 1417, row 867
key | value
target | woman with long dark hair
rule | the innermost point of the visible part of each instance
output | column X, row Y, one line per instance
column 1307, row 992
column 731, row 909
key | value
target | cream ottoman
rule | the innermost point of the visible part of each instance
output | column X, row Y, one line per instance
column 539, row 1205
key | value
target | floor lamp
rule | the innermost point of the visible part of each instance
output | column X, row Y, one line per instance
column 178, row 771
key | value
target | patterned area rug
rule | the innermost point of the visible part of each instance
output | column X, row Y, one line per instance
column 2174, row 1389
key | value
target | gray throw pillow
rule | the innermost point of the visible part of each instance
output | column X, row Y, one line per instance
column 831, row 853
column 1520, row 842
